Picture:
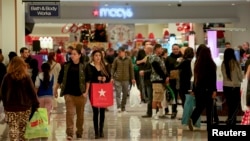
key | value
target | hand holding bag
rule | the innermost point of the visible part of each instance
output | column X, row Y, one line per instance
column 38, row 126
column 101, row 95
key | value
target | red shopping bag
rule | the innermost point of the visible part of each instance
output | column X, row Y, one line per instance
column 101, row 94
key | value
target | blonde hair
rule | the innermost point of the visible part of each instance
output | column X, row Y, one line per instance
column 17, row 68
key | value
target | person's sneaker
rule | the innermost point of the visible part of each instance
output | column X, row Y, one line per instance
column 190, row 125
column 119, row 110
column 69, row 138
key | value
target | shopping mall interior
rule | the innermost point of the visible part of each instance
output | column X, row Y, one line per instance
column 56, row 24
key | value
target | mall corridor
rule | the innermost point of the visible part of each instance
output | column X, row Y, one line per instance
column 123, row 126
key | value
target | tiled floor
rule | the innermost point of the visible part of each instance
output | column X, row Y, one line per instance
column 124, row 127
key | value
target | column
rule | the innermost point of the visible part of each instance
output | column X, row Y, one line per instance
column 12, row 26
column 199, row 33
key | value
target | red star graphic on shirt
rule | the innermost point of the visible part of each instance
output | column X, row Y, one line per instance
column 96, row 13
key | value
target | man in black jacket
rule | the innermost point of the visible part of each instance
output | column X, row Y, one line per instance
column 140, row 61
column 171, row 63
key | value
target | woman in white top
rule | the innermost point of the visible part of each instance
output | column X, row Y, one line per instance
column 54, row 70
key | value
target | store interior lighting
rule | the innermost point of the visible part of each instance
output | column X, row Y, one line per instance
column 227, row 29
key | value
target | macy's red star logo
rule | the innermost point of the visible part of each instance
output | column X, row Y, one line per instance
column 96, row 13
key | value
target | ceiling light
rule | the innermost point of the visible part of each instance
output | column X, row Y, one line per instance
column 233, row 4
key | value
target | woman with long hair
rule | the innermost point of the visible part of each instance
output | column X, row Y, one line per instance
column 232, row 78
column 54, row 70
column 204, row 87
column 19, row 98
column 44, row 86
column 185, row 73
column 73, row 87
column 97, row 72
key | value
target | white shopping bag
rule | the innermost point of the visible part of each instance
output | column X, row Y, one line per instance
column 60, row 99
column 134, row 96
column 243, row 89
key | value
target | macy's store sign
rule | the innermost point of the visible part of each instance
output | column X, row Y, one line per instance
column 123, row 13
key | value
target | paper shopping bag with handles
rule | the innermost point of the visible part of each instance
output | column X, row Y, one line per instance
column 101, row 94
column 38, row 126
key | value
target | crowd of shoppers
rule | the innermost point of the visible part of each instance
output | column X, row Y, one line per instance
column 151, row 68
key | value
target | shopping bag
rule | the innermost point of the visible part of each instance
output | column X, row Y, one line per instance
column 246, row 118
column 38, row 126
column 134, row 96
column 243, row 89
column 189, row 106
column 101, row 95
column 2, row 114
column 171, row 95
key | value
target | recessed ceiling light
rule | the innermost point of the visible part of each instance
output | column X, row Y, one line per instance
column 233, row 4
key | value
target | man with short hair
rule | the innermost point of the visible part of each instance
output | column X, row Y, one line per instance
column 121, row 73
column 159, row 78
column 227, row 45
column 24, row 51
column 145, row 73
column 140, row 61
column 171, row 63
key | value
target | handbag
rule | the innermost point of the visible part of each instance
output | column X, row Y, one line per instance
column 38, row 126
column 174, row 74
column 246, row 118
column 101, row 95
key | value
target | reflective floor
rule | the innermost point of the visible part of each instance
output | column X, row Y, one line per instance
column 124, row 126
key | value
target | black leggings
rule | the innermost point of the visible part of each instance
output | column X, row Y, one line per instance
column 232, row 96
column 98, row 126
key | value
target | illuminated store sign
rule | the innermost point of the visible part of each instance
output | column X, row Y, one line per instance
column 114, row 13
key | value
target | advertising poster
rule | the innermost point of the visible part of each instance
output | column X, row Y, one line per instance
column 121, row 34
